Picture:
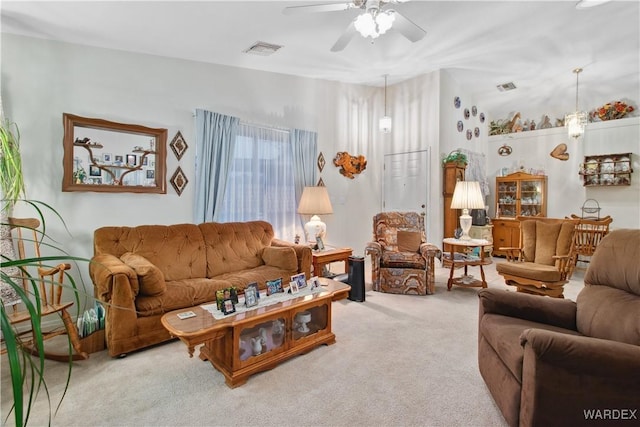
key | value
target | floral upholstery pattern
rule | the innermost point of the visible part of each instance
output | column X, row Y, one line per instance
column 401, row 272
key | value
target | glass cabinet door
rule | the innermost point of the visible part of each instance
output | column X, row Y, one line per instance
column 261, row 338
column 531, row 198
column 507, row 199
column 309, row 321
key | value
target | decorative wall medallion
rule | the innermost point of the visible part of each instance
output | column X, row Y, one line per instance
column 466, row 113
column 178, row 145
column 320, row 183
column 481, row 117
column 476, row 132
column 505, row 150
column 469, row 134
column 179, row 181
column 456, row 102
column 460, row 126
column 321, row 161
column 350, row 165
column 474, row 111
column 560, row 152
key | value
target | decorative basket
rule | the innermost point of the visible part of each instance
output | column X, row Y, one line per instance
column 591, row 206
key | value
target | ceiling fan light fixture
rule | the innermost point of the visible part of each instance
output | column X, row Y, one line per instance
column 385, row 122
column 374, row 23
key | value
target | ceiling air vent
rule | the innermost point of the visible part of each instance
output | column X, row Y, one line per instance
column 506, row 86
column 262, row 48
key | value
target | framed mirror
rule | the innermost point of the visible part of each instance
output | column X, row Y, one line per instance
column 105, row 156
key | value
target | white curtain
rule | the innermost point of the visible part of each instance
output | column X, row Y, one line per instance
column 260, row 183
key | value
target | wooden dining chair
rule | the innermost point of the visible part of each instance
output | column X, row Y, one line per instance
column 48, row 283
column 589, row 233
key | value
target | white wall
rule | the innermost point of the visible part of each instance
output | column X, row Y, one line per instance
column 566, row 193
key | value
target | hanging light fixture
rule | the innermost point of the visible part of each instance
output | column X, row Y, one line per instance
column 374, row 22
column 577, row 121
column 385, row 121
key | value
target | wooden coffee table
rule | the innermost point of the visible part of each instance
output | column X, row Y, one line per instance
column 256, row 340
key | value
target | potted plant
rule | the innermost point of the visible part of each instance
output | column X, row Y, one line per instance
column 455, row 157
column 27, row 373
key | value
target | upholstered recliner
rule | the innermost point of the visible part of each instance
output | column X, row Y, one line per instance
column 556, row 362
column 401, row 260
column 545, row 259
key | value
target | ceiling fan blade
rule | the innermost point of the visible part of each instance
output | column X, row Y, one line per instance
column 345, row 38
column 407, row 28
column 327, row 7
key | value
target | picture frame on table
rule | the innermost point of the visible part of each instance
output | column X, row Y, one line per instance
column 293, row 288
column 274, row 286
column 106, row 158
column 95, row 171
column 254, row 285
column 228, row 306
column 132, row 160
column 300, row 280
column 118, row 159
column 319, row 243
column 314, row 282
column 250, row 298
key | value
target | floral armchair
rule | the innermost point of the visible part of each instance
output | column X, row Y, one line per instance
column 401, row 260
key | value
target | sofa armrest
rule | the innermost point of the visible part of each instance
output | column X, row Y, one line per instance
column 565, row 378
column 303, row 252
column 102, row 270
column 551, row 311
column 374, row 249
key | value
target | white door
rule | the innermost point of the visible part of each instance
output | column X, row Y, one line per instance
column 405, row 181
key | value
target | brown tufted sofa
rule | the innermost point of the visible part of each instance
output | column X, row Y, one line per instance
column 143, row 272
column 554, row 362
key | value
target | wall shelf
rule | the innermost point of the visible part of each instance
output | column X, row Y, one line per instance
column 606, row 170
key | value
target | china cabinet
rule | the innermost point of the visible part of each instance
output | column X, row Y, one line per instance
column 606, row 170
column 517, row 194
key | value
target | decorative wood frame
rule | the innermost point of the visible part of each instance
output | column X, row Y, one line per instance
column 75, row 143
column 321, row 161
column 178, row 145
column 179, row 181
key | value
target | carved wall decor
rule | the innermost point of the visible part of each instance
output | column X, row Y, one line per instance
column 320, row 183
column 350, row 165
column 560, row 152
column 179, row 181
column 321, row 162
column 178, row 145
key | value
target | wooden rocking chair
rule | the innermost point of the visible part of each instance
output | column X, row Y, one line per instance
column 589, row 233
column 49, row 282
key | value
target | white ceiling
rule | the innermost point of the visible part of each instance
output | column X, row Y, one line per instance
column 536, row 45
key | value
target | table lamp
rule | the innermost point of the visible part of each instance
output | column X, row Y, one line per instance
column 467, row 195
column 315, row 201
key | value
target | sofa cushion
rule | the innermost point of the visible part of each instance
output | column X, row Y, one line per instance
column 150, row 278
column 502, row 333
column 283, row 258
column 615, row 261
column 409, row 241
column 609, row 313
column 546, row 238
column 529, row 270
column 392, row 259
column 234, row 246
column 179, row 294
column 240, row 279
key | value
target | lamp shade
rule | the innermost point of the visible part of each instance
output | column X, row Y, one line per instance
column 315, row 201
column 467, row 195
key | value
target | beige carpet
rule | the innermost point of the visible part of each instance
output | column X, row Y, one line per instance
column 398, row 361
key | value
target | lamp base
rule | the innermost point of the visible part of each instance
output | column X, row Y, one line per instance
column 465, row 224
column 315, row 228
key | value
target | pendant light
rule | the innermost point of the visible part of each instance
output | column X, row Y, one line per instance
column 385, row 121
column 577, row 121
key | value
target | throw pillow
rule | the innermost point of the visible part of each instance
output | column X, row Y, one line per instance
column 281, row 257
column 409, row 241
column 150, row 277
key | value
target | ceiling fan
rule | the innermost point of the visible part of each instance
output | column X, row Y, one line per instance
column 373, row 22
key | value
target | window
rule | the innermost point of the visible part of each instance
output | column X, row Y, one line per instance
column 261, row 184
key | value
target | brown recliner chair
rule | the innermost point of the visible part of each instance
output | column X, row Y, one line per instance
column 402, row 262
column 556, row 362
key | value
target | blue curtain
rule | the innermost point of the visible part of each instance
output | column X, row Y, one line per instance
column 215, row 143
column 305, row 150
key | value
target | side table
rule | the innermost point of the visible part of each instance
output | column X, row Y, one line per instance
column 461, row 255
column 327, row 256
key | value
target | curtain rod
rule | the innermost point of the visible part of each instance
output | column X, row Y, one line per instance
column 268, row 127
